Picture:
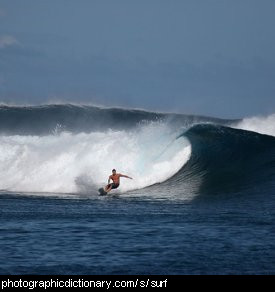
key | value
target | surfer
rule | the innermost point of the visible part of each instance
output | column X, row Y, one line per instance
column 115, row 177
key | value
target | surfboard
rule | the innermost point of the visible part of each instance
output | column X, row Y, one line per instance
column 102, row 192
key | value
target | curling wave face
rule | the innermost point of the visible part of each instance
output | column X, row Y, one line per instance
column 230, row 160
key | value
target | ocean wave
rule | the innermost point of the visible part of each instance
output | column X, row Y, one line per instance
column 55, row 118
column 229, row 160
column 71, row 149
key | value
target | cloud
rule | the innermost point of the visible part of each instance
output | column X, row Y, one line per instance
column 7, row 40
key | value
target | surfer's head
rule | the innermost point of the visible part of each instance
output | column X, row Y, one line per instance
column 114, row 171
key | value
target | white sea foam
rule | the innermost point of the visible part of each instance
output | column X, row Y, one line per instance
column 260, row 124
column 81, row 162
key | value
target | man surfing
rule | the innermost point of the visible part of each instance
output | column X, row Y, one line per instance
column 115, row 177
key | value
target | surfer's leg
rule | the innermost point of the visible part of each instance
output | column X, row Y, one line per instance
column 108, row 188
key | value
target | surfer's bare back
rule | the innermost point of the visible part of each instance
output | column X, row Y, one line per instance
column 115, row 177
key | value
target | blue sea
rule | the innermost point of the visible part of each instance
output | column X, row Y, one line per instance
column 202, row 200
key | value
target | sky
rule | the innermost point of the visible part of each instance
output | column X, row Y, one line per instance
column 208, row 57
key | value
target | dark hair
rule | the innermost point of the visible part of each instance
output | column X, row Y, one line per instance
column 113, row 170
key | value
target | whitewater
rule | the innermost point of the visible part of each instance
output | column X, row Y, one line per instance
column 67, row 162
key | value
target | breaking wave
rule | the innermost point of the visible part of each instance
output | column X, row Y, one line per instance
column 72, row 149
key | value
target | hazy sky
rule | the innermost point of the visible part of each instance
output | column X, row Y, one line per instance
column 211, row 57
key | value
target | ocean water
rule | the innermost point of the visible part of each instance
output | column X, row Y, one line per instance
column 201, row 202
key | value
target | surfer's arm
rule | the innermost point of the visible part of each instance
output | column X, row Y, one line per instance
column 109, row 179
column 123, row 175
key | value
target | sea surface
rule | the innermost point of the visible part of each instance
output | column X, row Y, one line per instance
column 202, row 200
